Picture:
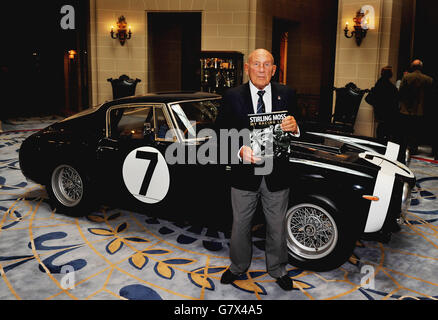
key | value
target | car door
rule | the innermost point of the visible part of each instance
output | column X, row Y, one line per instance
column 203, row 181
column 131, row 155
column 135, row 171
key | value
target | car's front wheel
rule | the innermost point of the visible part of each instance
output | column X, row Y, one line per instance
column 318, row 238
column 69, row 190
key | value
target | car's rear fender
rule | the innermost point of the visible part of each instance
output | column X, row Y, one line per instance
column 75, row 153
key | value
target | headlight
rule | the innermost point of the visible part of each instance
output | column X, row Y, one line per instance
column 407, row 157
column 406, row 199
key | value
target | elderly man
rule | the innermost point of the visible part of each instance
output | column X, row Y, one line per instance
column 259, row 95
column 415, row 98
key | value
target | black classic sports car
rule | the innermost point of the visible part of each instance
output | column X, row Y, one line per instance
column 154, row 154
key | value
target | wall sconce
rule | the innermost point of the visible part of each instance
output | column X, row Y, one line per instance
column 123, row 31
column 72, row 54
column 360, row 27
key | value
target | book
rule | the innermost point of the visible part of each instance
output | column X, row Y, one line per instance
column 267, row 138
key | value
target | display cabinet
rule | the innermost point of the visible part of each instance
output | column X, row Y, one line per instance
column 221, row 70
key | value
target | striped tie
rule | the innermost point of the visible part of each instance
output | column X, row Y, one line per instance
column 261, row 103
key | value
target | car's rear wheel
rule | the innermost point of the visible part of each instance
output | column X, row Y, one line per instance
column 69, row 190
column 317, row 237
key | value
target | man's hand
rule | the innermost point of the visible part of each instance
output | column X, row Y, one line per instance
column 289, row 124
column 247, row 155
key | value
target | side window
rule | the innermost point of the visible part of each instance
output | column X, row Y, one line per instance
column 131, row 122
column 162, row 126
column 139, row 123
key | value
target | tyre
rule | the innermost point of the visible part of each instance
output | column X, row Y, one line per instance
column 69, row 190
column 318, row 237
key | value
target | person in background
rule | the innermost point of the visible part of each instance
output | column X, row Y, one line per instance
column 416, row 91
column 386, row 105
column 398, row 82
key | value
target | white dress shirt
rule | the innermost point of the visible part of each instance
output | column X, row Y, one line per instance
column 267, row 97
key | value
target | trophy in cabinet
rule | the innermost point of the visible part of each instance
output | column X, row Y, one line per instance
column 220, row 70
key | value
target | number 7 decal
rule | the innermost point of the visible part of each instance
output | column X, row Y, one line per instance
column 149, row 180
column 153, row 157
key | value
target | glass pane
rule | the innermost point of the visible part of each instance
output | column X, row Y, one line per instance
column 195, row 116
column 131, row 122
column 162, row 125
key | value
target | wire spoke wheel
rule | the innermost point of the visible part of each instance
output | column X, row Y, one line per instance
column 67, row 185
column 311, row 231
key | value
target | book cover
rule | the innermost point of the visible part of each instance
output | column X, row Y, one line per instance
column 267, row 138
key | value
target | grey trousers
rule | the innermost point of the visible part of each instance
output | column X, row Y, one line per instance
column 244, row 204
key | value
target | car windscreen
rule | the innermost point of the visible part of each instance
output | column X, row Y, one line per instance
column 193, row 116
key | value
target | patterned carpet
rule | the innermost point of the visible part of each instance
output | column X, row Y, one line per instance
column 117, row 254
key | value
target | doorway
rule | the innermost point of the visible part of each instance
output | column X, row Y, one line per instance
column 305, row 57
column 282, row 33
column 425, row 16
column 174, row 47
column 34, row 76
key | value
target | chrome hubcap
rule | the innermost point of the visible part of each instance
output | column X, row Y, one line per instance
column 312, row 231
column 67, row 185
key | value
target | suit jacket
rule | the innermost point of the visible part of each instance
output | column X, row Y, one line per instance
column 233, row 113
column 415, row 93
column 386, row 95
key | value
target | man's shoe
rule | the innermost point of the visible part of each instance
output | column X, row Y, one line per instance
column 285, row 283
column 228, row 277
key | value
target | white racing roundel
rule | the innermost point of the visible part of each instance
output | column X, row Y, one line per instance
column 146, row 175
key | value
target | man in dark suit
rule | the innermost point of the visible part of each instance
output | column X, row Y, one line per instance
column 259, row 95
